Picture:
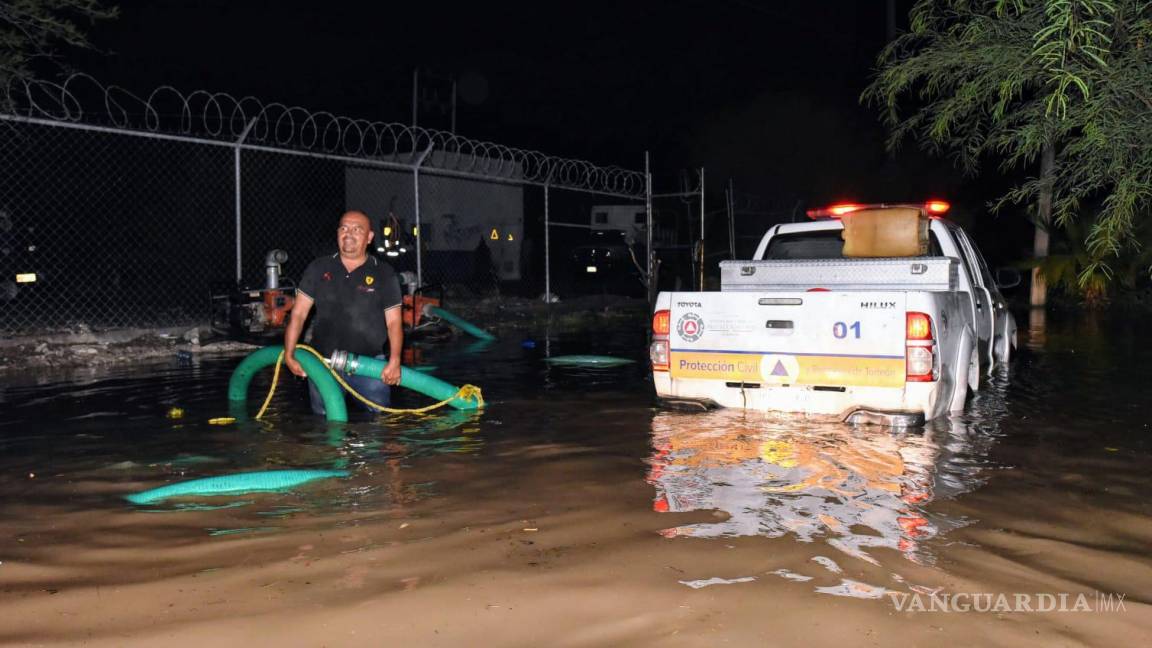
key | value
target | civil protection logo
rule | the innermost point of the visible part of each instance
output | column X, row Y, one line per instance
column 690, row 327
column 368, row 280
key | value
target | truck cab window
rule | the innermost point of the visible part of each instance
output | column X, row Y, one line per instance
column 823, row 244
column 985, row 273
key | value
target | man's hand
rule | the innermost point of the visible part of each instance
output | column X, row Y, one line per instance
column 391, row 373
column 292, row 332
column 294, row 366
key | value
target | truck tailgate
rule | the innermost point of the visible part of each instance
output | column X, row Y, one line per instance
column 833, row 339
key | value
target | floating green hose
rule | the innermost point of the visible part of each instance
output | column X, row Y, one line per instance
column 252, row 482
column 477, row 346
column 459, row 322
column 318, row 373
column 587, row 361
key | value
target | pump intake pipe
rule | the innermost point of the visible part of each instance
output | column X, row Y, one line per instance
column 458, row 322
column 272, row 263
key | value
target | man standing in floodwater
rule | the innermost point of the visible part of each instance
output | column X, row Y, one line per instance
column 358, row 307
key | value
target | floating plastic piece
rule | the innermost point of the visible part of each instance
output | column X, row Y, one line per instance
column 235, row 484
column 221, row 420
column 588, row 361
column 184, row 459
column 175, row 413
column 223, row 532
column 708, row 582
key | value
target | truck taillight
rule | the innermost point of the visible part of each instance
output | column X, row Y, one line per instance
column 920, row 354
column 919, row 326
column 661, row 322
column 658, row 351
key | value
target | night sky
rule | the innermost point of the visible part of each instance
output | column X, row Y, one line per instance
column 764, row 93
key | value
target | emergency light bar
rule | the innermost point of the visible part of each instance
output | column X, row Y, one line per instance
column 935, row 208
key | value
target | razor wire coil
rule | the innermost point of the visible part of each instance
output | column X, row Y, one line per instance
column 81, row 99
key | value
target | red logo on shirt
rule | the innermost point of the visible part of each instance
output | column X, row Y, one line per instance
column 327, row 276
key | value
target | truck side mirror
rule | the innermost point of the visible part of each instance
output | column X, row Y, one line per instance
column 1007, row 278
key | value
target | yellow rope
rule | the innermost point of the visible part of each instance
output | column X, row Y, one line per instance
column 467, row 392
column 275, row 379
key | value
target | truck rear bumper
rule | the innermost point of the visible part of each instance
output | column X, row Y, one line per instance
column 907, row 407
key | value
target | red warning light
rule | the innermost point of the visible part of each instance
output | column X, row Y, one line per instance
column 936, row 207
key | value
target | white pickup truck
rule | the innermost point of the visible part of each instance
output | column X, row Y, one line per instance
column 891, row 340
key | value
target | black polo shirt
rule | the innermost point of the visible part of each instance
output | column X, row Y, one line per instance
column 350, row 305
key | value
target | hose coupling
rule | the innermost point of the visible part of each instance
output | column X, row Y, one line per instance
column 344, row 361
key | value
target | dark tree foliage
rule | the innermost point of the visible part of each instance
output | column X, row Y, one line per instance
column 1014, row 81
column 32, row 30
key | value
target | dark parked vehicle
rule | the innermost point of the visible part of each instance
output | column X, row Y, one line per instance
column 608, row 263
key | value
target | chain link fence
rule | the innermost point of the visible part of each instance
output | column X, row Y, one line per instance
column 748, row 217
column 117, row 210
column 679, row 235
column 692, row 234
column 107, row 230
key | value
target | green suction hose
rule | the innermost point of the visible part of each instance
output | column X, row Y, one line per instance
column 318, row 373
column 459, row 322
column 328, row 385
column 424, row 383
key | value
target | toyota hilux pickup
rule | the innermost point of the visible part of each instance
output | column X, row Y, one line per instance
column 871, row 314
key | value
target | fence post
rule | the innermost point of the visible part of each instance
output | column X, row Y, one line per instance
column 731, row 220
column 547, row 243
column 239, row 239
column 416, row 209
column 701, row 228
column 649, row 253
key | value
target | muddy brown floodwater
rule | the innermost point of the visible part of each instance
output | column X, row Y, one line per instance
column 572, row 512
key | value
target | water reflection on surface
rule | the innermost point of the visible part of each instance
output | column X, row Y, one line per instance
column 540, row 508
column 855, row 488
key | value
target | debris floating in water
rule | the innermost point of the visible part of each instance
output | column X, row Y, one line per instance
column 853, row 589
column 223, row 420
column 791, row 575
column 698, row 584
column 221, row 532
column 175, row 413
column 588, row 361
column 828, row 563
